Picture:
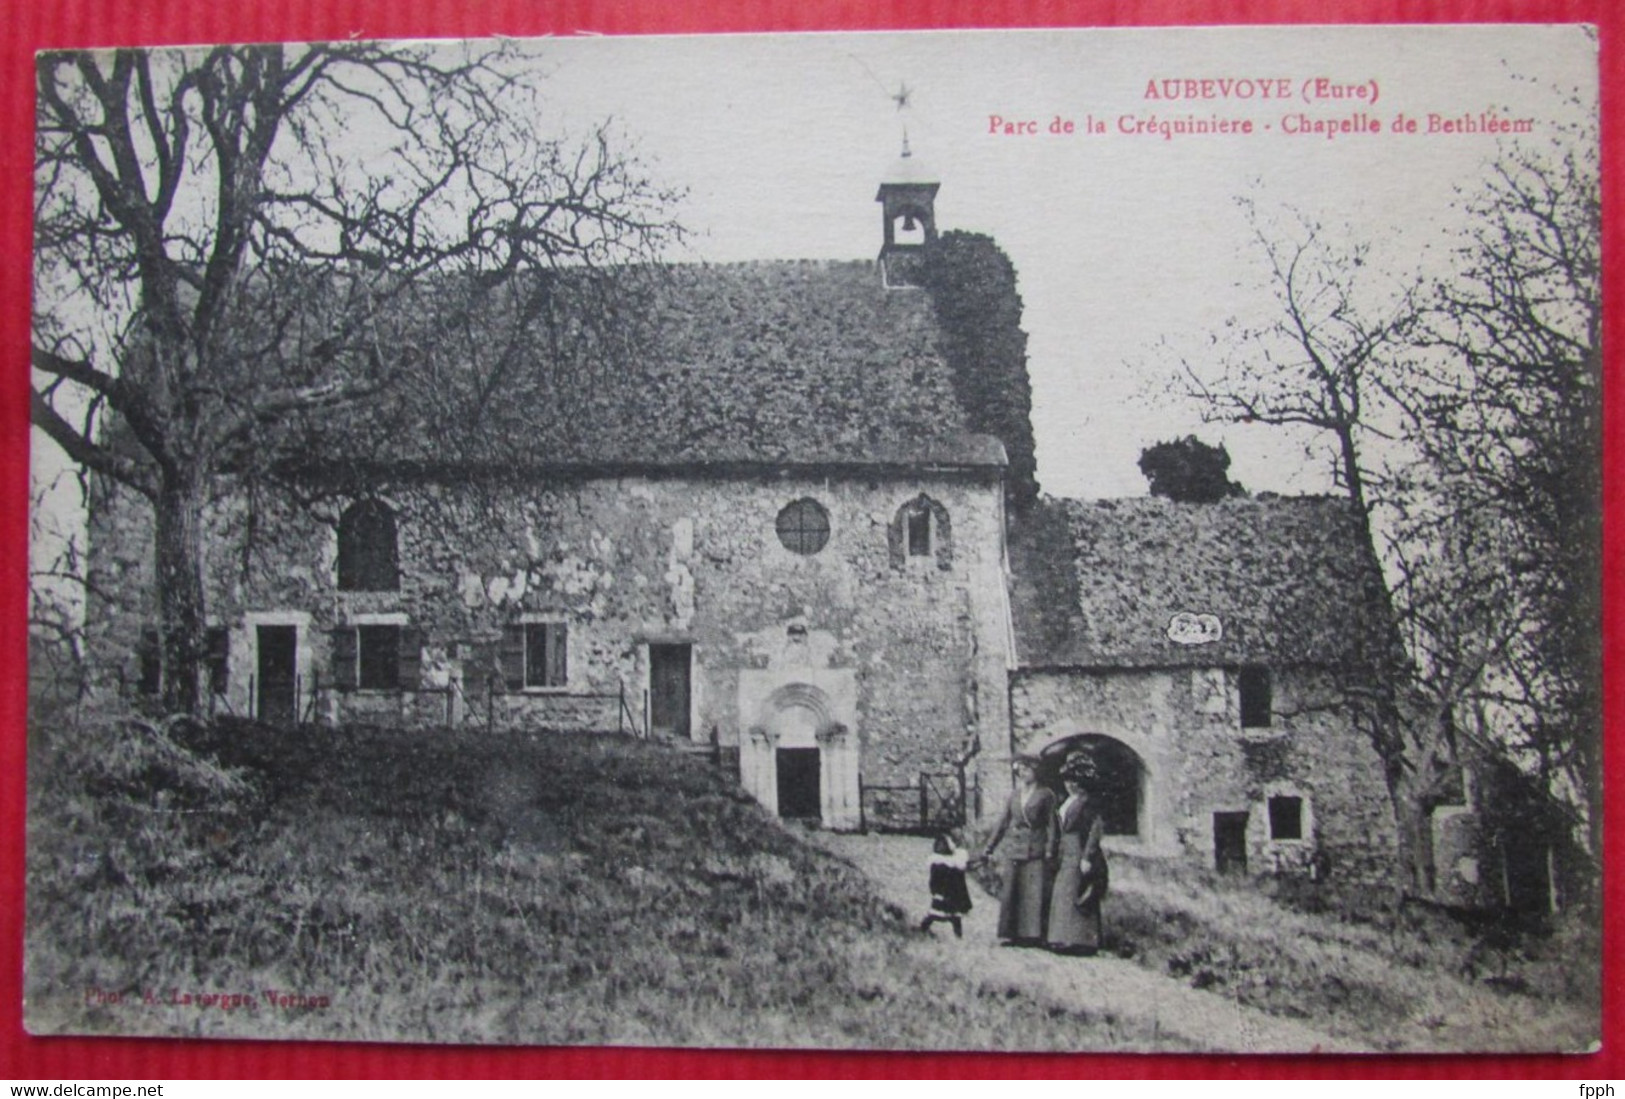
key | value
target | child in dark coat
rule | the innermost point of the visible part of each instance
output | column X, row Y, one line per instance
column 950, row 898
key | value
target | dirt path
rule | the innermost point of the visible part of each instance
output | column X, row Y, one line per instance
column 896, row 865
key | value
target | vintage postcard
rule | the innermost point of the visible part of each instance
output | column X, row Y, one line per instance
column 1052, row 540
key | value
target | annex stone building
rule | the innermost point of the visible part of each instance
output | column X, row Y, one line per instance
column 1203, row 650
column 774, row 536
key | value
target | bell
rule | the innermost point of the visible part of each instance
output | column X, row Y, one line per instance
column 908, row 223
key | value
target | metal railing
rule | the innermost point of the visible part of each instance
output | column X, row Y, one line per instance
column 626, row 720
column 934, row 802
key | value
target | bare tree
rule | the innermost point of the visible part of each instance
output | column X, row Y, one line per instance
column 1316, row 359
column 1465, row 426
column 1323, row 358
column 1506, row 417
column 56, row 591
column 235, row 243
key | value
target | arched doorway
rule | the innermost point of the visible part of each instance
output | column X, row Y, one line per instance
column 800, row 759
column 797, row 760
column 1121, row 785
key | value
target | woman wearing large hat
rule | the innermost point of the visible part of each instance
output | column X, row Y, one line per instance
column 1028, row 821
column 1075, row 925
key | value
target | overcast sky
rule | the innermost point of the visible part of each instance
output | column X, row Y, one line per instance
column 1129, row 247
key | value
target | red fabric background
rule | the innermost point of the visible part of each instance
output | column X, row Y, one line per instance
column 40, row 24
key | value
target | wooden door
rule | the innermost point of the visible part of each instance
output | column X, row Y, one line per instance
column 799, row 792
column 669, row 692
column 278, row 674
column 1230, row 842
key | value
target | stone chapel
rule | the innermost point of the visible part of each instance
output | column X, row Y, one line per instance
column 774, row 537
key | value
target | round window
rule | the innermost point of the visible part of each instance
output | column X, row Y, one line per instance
column 803, row 526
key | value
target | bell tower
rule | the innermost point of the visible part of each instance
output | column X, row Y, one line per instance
column 907, row 197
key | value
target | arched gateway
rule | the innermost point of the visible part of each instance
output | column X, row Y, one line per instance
column 1123, row 778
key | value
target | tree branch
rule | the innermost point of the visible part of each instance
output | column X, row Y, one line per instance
column 89, row 454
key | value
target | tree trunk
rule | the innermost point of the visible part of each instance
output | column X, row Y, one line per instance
column 1382, row 666
column 179, row 514
column 1414, row 823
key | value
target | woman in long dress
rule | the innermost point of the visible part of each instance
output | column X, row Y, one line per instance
column 1075, row 925
column 1028, row 819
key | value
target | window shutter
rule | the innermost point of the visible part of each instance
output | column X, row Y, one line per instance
column 411, row 659
column 150, row 663
column 511, row 657
column 344, row 657
column 897, row 539
column 217, row 658
column 557, row 664
column 480, row 664
column 942, row 537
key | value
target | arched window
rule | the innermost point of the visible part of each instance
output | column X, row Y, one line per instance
column 920, row 531
column 368, row 558
column 803, row 526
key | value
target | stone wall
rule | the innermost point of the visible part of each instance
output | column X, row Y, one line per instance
column 1184, row 725
column 625, row 563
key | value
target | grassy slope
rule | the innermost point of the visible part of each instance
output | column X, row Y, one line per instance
column 1416, row 981
column 449, row 886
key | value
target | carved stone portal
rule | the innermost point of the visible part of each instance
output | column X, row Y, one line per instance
column 800, row 756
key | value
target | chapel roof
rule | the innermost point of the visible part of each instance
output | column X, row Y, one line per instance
column 780, row 363
column 1097, row 584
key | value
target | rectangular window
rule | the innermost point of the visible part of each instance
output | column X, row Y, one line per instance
column 1286, row 818
column 378, row 657
column 1230, row 843
column 919, row 533
column 1256, row 705
column 546, row 663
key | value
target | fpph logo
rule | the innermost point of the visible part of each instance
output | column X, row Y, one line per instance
column 1596, row 1091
